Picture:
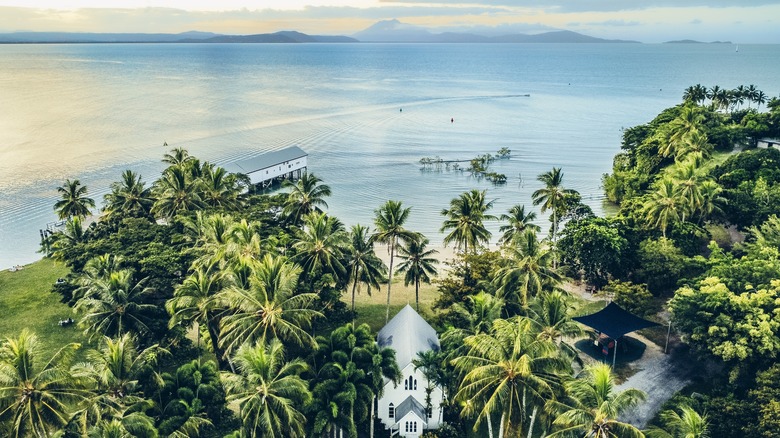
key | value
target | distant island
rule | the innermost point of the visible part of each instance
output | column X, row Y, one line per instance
column 697, row 42
column 186, row 37
column 388, row 31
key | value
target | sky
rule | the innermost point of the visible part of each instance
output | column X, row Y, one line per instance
column 651, row 21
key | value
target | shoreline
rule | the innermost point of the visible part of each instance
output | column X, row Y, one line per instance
column 444, row 255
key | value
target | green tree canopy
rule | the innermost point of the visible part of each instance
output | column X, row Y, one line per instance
column 735, row 326
column 595, row 247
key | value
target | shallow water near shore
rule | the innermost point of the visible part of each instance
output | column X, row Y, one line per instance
column 91, row 111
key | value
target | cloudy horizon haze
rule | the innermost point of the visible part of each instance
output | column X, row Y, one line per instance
column 650, row 21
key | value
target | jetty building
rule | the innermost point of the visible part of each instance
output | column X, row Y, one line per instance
column 262, row 170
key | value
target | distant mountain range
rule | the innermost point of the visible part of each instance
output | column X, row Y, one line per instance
column 397, row 32
column 186, row 37
column 388, row 31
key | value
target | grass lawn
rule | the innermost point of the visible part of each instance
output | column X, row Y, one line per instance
column 372, row 309
column 26, row 301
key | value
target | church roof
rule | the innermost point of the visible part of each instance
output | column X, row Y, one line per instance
column 410, row 405
column 408, row 334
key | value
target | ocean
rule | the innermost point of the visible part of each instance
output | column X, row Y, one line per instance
column 89, row 111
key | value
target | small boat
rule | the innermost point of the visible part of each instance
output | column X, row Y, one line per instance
column 737, row 50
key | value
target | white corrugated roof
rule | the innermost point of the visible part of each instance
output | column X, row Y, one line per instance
column 265, row 160
column 408, row 334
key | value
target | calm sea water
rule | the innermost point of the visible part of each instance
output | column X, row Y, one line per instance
column 91, row 111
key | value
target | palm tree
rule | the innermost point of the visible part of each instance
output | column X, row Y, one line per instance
column 552, row 196
column 381, row 366
column 465, row 218
column 528, row 273
column 96, row 269
column 128, row 197
column 519, row 221
column 550, row 312
column 363, row 266
column 662, row 207
column 127, row 424
column 115, row 305
column 695, row 142
column 74, row 200
column 713, row 94
column 194, row 301
column 751, row 94
column 115, row 370
column 695, row 93
column 341, row 390
column 594, row 407
column 306, row 196
column 64, row 241
column 682, row 127
column 431, row 363
column 507, row 371
column 35, row 397
column 187, row 398
column 740, row 94
column 711, row 199
column 356, row 344
column 418, row 264
column 269, row 391
column 320, row 245
column 244, row 240
column 687, row 423
column 389, row 220
column 176, row 192
column 269, row 308
column 178, row 157
column 761, row 98
column 687, row 177
column 219, row 188
column 478, row 313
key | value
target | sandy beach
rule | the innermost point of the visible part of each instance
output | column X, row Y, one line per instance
column 444, row 254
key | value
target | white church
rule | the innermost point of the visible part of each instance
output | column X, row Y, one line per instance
column 402, row 406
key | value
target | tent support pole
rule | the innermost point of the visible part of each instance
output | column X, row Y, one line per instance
column 614, row 355
column 668, row 333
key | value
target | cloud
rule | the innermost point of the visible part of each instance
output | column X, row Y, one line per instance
column 695, row 21
column 594, row 6
column 618, row 23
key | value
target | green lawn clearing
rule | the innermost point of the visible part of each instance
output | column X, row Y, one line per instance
column 372, row 309
column 26, row 301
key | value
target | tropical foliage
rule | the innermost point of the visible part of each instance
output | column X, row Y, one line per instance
column 256, row 339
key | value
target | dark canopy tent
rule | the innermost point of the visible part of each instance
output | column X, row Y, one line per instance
column 614, row 322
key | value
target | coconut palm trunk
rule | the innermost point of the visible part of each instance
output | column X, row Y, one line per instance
column 417, row 293
column 212, row 327
column 531, row 422
column 373, row 417
column 390, row 278
column 354, row 291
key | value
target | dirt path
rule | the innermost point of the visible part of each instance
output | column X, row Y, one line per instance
column 660, row 376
